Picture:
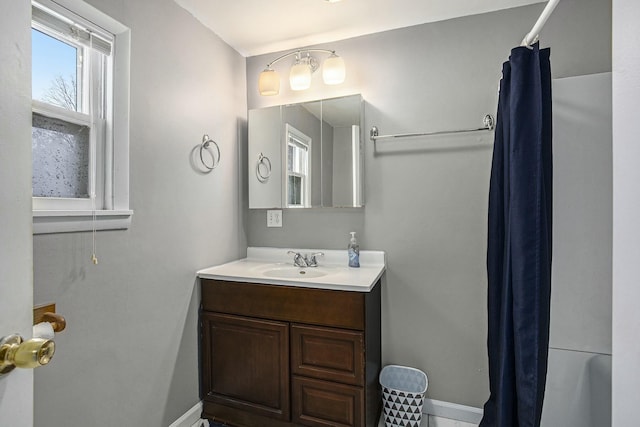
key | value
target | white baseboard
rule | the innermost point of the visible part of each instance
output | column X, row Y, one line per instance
column 436, row 413
column 446, row 422
column 191, row 417
column 438, row 408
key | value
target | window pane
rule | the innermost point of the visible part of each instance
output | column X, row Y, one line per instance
column 297, row 159
column 295, row 191
column 54, row 71
column 290, row 156
column 60, row 158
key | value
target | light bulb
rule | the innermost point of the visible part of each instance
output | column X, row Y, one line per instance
column 269, row 82
column 300, row 76
column 333, row 70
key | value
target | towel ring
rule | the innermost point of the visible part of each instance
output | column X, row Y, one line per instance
column 206, row 143
column 264, row 162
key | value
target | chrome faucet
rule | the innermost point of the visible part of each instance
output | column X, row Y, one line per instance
column 306, row 260
column 298, row 259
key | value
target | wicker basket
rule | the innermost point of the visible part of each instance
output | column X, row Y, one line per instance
column 403, row 391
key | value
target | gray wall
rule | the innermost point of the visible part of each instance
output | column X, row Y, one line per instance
column 129, row 354
column 578, row 392
column 426, row 201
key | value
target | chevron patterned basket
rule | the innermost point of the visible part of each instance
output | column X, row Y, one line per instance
column 403, row 391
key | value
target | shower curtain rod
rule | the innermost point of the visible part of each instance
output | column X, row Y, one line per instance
column 488, row 123
column 532, row 36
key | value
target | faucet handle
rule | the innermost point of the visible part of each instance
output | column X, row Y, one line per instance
column 313, row 262
column 298, row 259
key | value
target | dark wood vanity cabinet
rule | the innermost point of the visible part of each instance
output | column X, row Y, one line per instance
column 275, row 355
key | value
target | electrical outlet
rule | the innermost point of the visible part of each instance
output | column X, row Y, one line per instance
column 274, row 218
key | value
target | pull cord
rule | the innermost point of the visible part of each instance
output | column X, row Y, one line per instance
column 94, row 258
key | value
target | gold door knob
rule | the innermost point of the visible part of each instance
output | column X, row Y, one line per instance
column 15, row 352
column 33, row 353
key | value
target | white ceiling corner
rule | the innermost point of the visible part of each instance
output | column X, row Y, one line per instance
column 254, row 27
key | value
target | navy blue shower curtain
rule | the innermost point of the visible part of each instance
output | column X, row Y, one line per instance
column 519, row 242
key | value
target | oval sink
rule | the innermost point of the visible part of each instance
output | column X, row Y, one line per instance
column 292, row 272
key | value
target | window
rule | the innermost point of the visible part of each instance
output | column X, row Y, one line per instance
column 298, row 168
column 80, row 118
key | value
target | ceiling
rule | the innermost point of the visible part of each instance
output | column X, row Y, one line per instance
column 254, row 27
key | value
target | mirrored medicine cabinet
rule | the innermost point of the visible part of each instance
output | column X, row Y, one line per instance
column 307, row 155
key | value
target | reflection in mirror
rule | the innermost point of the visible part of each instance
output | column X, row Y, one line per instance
column 341, row 149
column 265, row 160
column 320, row 154
column 303, row 134
column 298, row 180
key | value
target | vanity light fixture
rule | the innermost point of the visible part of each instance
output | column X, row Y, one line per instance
column 333, row 71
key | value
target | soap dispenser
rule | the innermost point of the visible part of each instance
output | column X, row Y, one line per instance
column 354, row 251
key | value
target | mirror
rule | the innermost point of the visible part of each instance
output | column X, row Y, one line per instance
column 306, row 155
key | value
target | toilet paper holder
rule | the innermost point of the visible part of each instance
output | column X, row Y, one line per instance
column 58, row 323
column 47, row 313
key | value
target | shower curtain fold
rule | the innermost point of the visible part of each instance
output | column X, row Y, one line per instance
column 519, row 243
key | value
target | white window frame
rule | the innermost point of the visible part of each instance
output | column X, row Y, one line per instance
column 109, row 160
column 306, row 141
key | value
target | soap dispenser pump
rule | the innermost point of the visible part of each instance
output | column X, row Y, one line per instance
column 354, row 251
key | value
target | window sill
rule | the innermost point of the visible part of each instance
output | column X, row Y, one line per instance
column 58, row 221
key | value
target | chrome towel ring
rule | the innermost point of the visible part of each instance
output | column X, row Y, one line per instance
column 263, row 168
column 207, row 142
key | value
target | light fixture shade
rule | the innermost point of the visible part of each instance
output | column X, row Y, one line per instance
column 333, row 70
column 300, row 76
column 269, row 83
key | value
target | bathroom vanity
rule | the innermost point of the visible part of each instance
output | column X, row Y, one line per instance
column 285, row 346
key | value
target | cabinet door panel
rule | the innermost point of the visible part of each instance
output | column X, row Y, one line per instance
column 246, row 364
column 323, row 404
column 328, row 354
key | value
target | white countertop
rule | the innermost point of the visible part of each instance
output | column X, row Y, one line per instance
column 264, row 265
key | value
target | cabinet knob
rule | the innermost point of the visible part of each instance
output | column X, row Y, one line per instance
column 17, row 353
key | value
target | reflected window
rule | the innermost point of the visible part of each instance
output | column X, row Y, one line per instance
column 298, row 168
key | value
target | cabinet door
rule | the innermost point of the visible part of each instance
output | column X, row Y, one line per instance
column 326, row 404
column 245, row 364
column 328, row 354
